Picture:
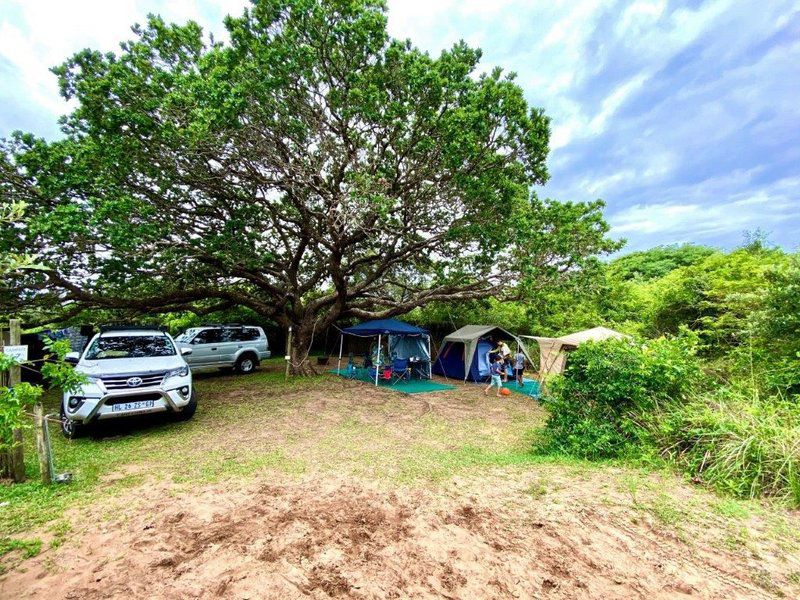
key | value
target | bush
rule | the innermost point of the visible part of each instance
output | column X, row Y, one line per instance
column 601, row 407
column 737, row 442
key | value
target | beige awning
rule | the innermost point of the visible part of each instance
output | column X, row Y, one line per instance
column 553, row 351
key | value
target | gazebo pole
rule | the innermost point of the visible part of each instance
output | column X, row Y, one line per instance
column 378, row 360
column 430, row 359
column 339, row 362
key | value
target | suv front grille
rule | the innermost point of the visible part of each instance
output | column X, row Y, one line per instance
column 120, row 382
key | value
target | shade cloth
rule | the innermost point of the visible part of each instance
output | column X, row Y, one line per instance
column 384, row 327
column 405, row 341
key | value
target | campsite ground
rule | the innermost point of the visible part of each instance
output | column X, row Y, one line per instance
column 323, row 487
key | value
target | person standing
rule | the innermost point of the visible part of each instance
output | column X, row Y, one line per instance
column 519, row 367
column 494, row 372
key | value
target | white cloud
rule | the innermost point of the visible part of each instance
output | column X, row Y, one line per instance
column 36, row 35
column 765, row 207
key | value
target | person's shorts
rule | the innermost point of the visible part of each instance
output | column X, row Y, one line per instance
column 518, row 372
column 496, row 381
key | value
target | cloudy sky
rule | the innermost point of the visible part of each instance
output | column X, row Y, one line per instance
column 684, row 116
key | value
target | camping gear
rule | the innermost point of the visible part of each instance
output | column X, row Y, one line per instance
column 400, row 370
column 464, row 353
column 404, row 341
column 553, row 351
column 351, row 371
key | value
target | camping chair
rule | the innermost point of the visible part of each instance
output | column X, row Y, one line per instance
column 400, row 370
column 351, row 371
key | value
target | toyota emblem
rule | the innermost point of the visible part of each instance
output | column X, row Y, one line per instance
column 134, row 382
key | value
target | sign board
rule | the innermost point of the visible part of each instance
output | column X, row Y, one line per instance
column 20, row 353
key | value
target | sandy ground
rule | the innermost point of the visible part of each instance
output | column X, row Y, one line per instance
column 484, row 537
column 518, row 531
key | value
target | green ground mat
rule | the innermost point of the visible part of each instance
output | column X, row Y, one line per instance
column 531, row 387
column 415, row 386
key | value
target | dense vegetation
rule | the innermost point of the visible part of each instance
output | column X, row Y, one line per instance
column 710, row 381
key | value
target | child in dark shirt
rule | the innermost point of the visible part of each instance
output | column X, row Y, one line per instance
column 494, row 370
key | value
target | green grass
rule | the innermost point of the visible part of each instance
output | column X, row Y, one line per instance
column 28, row 548
column 247, row 426
column 261, row 426
column 157, row 449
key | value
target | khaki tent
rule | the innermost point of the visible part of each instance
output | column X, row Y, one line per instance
column 553, row 351
column 464, row 353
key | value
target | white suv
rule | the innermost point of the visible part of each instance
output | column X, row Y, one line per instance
column 130, row 371
column 240, row 347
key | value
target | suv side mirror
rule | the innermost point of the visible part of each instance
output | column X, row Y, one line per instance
column 186, row 351
column 72, row 358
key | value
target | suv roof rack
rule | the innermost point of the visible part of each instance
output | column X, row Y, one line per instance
column 221, row 325
column 128, row 327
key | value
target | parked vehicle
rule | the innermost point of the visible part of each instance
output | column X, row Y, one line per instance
column 241, row 347
column 130, row 371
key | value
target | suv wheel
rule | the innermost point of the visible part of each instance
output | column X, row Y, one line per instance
column 188, row 410
column 246, row 364
column 71, row 429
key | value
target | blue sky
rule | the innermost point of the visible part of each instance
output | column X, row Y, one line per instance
column 684, row 116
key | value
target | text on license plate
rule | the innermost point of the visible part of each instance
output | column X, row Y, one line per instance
column 126, row 406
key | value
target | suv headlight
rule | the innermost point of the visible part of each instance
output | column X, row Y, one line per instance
column 93, row 379
column 179, row 372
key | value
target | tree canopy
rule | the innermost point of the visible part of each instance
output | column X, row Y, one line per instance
column 312, row 169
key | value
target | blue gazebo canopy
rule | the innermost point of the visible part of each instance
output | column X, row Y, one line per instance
column 384, row 327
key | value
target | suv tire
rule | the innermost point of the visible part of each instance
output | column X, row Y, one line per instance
column 188, row 411
column 247, row 363
column 71, row 429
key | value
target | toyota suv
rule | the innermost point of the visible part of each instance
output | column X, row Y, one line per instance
column 240, row 347
column 129, row 371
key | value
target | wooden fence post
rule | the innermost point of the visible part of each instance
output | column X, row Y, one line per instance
column 14, row 377
column 43, row 445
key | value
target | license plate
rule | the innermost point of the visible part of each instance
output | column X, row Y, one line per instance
column 128, row 406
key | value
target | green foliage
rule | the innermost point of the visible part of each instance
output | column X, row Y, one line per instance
column 600, row 406
column 714, row 297
column 776, row 329
column 13, row 403
column 654, row 263
column 736, row 441
column 16, row 400
column 12, row 217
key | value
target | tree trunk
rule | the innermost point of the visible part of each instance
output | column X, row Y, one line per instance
column 303, row 335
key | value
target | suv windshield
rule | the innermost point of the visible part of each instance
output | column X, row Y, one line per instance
column 130, row 346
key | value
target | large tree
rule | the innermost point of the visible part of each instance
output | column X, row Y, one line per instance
column 312, row 169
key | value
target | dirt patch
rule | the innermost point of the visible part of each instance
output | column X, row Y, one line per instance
column 333, row 538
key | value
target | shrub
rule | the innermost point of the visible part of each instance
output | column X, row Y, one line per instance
column 602, row 405
column 736, row 441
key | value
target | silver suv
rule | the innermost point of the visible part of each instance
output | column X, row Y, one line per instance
column 129, row 371
column 240, row 347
